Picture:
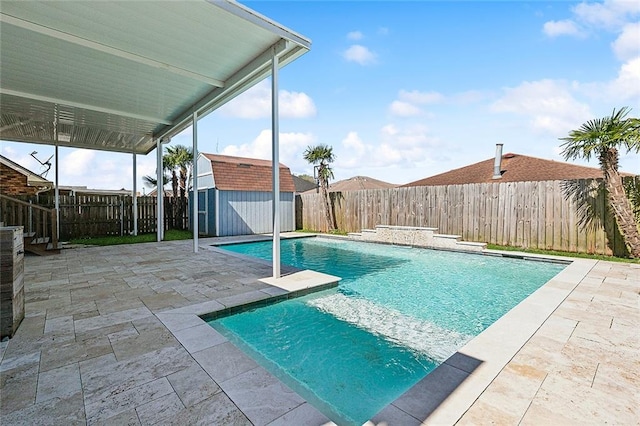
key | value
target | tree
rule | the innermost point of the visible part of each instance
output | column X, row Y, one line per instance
column 307, row 177
column 602, row 138
column 180, row 162
column 321, row 156
column 177, row 161
column 152, row 182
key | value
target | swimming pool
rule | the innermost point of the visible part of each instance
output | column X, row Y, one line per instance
column 396, row 315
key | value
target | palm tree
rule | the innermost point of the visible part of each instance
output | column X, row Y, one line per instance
column 177, row 162
column 603, row 137
column 321, row 156
column 152, row 181
column 180, row 161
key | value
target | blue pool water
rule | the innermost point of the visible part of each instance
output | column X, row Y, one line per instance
column 396, row 315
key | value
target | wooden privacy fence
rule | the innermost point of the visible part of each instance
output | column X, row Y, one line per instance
column 521, row 214
column 102, row 215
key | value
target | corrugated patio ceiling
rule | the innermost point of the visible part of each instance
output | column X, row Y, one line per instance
column 117, row 76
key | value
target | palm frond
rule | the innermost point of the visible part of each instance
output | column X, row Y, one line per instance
column 586, row 195
column 600, row 134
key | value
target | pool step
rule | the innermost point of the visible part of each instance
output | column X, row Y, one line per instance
column 416, row 236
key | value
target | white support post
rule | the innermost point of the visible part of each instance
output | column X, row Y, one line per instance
column 275, row 130
column 57, row 190
column 134, row 196
column 194, row 175
column 159, row 191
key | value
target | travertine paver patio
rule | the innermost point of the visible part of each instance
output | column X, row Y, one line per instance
column 112, row 337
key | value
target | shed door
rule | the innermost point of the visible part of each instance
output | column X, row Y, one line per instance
column 202, row 212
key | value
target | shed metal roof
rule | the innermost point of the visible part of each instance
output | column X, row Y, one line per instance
column 117, row 76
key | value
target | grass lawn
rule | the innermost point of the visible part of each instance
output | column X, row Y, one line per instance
column 334, row 232
column 564, row 253
column 169, row 235
column 173, row 234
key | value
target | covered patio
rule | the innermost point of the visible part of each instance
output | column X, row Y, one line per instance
column 128, row 76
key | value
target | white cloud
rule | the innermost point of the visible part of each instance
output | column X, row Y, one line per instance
column 355, row 35
column 564, row 27
column 27, row 161
column 408, row 137
column 404, row 109
column 407, row 104
column 354, row 142
column 549, row 105
column 396, row 147
column 627, row 85
column 145, row 166
column 354, row 153
column 421, row 98
column 468, row 97
column 627, row 45
column 77, row 163
column 291, row 147
column 359, row 54
column 256, row 103
column 588, row 17
column 92, row 169
column 610, row 14
column 296, row 105
column 8, row 150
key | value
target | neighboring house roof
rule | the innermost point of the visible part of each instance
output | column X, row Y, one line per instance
column 514, row 168
column 246, row 174
column 84, row 190
column 303, row 185
column 359, row 182
column 356, row 183
column 33, row 179
column 154, row 192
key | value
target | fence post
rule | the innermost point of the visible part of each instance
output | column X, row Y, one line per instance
column 54, row 228
column 30, row 217
column 121, row 199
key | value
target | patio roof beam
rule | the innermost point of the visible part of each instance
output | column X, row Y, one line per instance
column 73, row 145
column 83, row 106
column 50, row 32
column 255, row 70
column 259, row 20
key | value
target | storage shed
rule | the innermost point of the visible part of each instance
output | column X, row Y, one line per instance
column 235, row 196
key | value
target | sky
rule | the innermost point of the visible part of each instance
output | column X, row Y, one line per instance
column 406, row 90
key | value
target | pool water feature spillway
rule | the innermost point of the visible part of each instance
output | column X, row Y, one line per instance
column 396, row 315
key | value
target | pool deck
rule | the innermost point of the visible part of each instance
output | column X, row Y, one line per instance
column 112, row 336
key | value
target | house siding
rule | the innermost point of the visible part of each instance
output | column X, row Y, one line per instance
column 13, row 182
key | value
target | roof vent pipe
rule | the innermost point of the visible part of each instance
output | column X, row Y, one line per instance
column 497, row 164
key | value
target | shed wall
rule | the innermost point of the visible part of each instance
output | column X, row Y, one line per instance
column 250, row 212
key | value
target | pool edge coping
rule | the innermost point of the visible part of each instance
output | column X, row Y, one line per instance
column 473, row 367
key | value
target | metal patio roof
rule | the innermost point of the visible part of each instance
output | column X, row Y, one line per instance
column 117, row 76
